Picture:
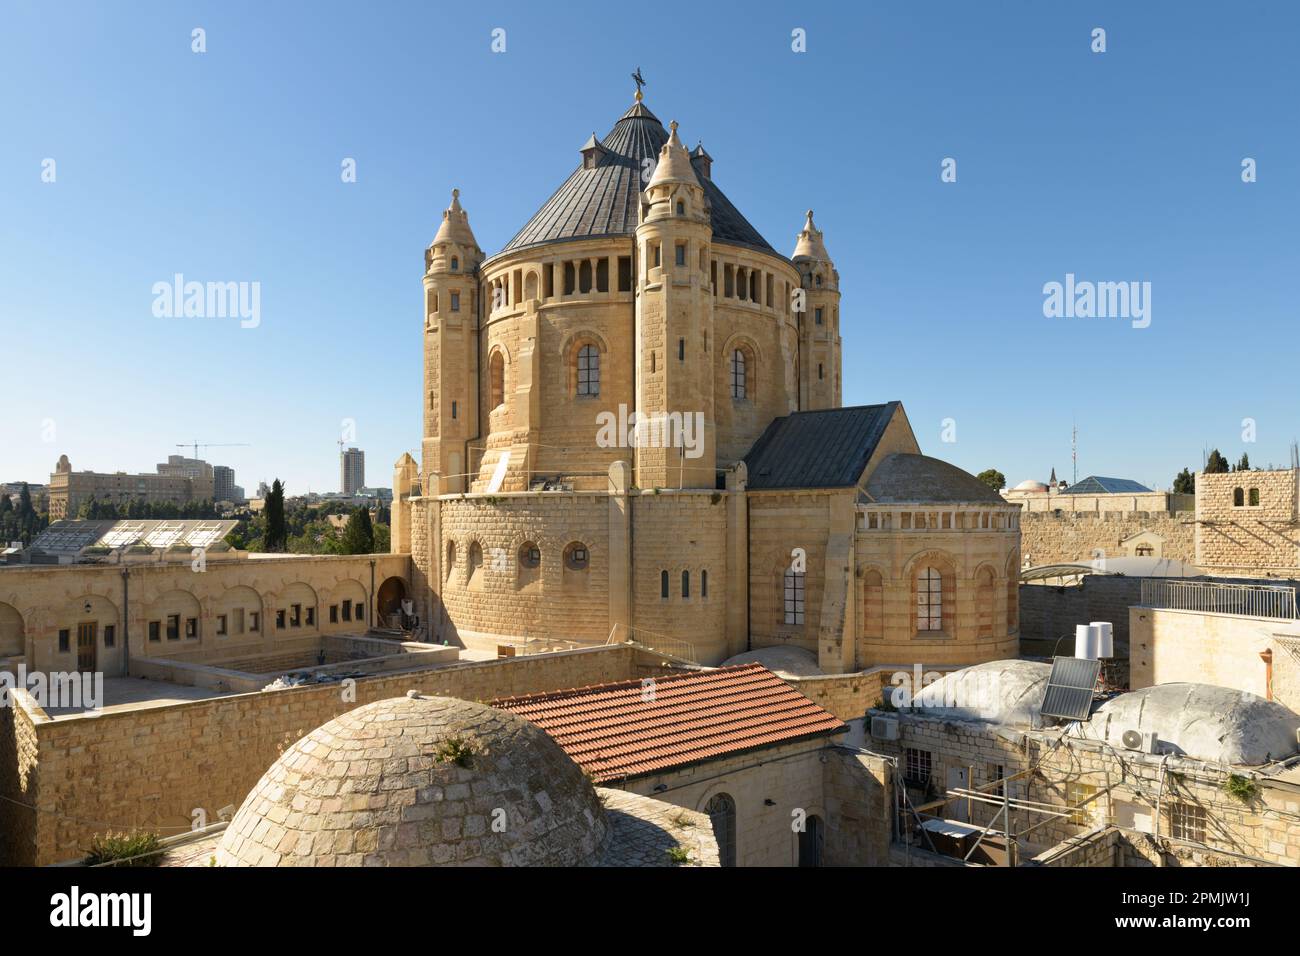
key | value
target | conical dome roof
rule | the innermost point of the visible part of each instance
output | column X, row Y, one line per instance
column 455, row 224
column 603, row 200
column 809, row 242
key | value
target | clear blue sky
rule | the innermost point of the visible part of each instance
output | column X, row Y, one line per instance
column 225, row 166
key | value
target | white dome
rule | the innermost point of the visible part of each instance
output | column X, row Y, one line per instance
column 1030, row 485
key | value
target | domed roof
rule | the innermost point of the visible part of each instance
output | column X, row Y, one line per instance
column 420, row 781
column 1202, row 721
column 1030, row 485
column 1003, row 692
column 795, row 661
column 603, row 198
column 902, row 478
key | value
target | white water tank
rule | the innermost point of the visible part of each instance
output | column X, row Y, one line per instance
column 1106, row 645
column 1087, row 641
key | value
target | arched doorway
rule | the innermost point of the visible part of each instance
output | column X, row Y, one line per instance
column 12, row 634
column 389, row 601
column 811, row 842
column 721, row 809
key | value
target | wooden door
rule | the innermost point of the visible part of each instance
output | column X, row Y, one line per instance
column 87, row 638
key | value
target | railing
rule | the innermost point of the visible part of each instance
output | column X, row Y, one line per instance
column 1248, row 600
column 662, row 643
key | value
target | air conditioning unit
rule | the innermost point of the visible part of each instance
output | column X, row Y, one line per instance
column 884, row 728
column 1146, row 742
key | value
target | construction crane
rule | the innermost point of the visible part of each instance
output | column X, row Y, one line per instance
column 211, row 444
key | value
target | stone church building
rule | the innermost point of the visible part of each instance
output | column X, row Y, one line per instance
column 633, row 429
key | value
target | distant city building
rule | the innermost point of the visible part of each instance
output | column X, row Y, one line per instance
column 178, row 466
column 352, row 470
column 223, row 479
column 69, row 490
column 263, row 489
column 15, row 488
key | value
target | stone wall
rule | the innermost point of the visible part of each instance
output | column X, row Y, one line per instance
column 1049, row 612
column 47, row 599
column 500, row 597
column 1234, row 535
column 1225, row 649
column 154, row 767
column 857, row 793
column 1047, row 537
column 789, row 776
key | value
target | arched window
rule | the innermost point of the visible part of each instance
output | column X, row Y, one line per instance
column 451, row 558
column 984, row 603
column 704, row 584
column 681, row 208
column 455, row 263
column 811, row 842
column 739, row 375
column 1253, row 499
column 793, row 597
column 663, row 584
column 721, row 809
column 588, row 370
column 686, row 584
column 497, row 379
column 1238, row 497
column 530, row 555
column 576, row 557
column 474, row 572
column 929, row 600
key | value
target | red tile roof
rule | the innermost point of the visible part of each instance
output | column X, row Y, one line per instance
column 625, row 729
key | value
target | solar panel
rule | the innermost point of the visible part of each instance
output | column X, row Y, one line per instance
column 1070, row 688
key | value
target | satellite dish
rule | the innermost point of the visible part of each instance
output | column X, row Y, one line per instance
column 1132, row 740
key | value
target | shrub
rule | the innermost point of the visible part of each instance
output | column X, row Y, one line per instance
column 125, row 849
column 455, row 750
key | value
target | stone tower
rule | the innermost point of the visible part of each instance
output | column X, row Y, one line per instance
column 451, row 370
column 819, row 325
column 676, row 445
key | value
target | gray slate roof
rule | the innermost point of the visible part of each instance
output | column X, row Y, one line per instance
column 822, row 449
column 902, row 478
column 603, row 201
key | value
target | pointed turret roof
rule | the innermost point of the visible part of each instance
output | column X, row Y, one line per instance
column 604, row 200
column 455, row 224
column 809, row 242
column 674, row 164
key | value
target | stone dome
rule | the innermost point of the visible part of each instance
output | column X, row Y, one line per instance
column 1202, row 722
column 903, row 478
column 1001, row 692
column 1030, row 485
column 420, row 781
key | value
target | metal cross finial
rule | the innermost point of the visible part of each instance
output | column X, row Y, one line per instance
column 636, row 78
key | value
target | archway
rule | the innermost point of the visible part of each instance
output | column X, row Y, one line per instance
column 12, row 633
column 389, row 601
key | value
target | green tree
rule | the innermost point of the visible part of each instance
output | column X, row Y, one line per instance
column 1216, row 464
column 993, row 478
column 359, row 534
column 1184, row 483
column 1244, row 464
column 277, row 532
